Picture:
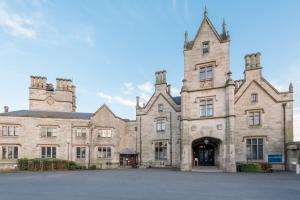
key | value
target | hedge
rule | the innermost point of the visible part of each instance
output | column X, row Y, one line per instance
column 42, row 164
column 249, row 167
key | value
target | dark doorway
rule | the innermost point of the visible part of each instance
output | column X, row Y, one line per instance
column 204, row 151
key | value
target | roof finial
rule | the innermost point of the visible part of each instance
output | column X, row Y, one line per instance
column 224, row 26
column 205, row 11
column 186, row 37
column 291, row 89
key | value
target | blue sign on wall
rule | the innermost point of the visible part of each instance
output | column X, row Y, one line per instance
column 275, row 158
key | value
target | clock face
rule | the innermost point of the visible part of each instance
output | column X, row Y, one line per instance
column 50, row 100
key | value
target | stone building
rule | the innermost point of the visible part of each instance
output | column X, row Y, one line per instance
column 217, row 121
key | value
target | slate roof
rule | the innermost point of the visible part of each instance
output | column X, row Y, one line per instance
column 48, row 114
column 177, row 100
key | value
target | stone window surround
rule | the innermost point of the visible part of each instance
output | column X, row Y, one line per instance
column 205, row 47
column 76, row 128
column 15, row 151
column 50, row 126
column 106, row 147
column 8, row 127
column 161, row 120
column 254, row 100
column 165, row 147
column 261, row 111
column 264, row 139
column 212, row 103
column 82, row 152
column 206, row 67
column 99, row 132
column 160, row 107
column 46, row 151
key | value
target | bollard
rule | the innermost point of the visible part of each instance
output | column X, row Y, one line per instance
column 297, row 169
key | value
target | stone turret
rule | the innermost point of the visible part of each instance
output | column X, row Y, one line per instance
column 43, row 96
column 252, row 61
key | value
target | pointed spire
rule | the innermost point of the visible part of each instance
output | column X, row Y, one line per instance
column 225, row 33
column 291, row 88
column 186, row 41
column 224, row 26
column 205, row 11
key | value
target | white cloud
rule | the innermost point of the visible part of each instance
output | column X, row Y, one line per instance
column 297, row 124
column 279, row 85
column 127, row 88
column 15, row 24
column 146, row 87
column 116, row 99
column 175, row 91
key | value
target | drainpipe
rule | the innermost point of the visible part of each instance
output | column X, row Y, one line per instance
column 284, row 136
column 171, row 140
column 140, row 140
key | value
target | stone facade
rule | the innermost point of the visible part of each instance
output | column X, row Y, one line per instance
column 216, row 120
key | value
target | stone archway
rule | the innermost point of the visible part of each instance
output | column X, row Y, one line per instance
column 205, row 151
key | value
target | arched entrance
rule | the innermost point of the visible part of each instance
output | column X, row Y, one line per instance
column 205, row 151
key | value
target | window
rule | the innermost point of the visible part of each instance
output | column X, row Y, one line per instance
column 10, row 152
column 160, row 107
column 80, row 132
column 160, row 150
column 206, row 73
column 80, row 152
column 205, row 47
column 48, row 132
column 160, row 125
column 9, row 131
column 104, row 133
column 206, row 108
column 48, row 152
column 255, row 149
column 254, row 119
column 253, row 98
column 104, row 152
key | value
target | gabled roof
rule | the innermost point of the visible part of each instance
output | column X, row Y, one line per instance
column 104, row 106
column 48, row 114
column 205, row 20
column 177, row 100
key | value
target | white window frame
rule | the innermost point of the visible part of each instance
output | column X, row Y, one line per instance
column 254, row 98
column 160, row 125
column 48, row 132
column 104, row 152
column 52, row 154
column 160, row 107
column 82, row 152
column 160, row 150
column 81, row 132
column 104, row 133
column 206, row 108
column 10, row 152
column 206, row 73
column 9, row 130
column 252, row 119
column 205, row 47
column 255, row 144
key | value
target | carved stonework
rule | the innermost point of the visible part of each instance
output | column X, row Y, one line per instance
column 50, row 100
column 206, row 84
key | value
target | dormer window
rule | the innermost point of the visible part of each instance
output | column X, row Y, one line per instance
column 205, row 47
column 206, row 73
column 253, row 98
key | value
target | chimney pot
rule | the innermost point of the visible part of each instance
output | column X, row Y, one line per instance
column 6, row 109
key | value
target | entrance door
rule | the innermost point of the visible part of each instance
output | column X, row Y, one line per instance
column 206, row 155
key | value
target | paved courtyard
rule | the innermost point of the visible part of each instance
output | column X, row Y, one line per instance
column 145, row 184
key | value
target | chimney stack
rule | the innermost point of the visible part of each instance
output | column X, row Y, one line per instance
column 252, row 61
column 6, row 109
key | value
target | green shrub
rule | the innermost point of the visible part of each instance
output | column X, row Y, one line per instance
column 250, row 167
column 92, row 167
column 23, row 164
column 72, row 165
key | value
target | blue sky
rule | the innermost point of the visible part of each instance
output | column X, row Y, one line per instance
column 111, row 48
